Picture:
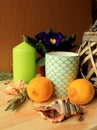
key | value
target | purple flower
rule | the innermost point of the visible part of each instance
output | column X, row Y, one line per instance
column 53, row 39
column 50, row 39
column 40, row 37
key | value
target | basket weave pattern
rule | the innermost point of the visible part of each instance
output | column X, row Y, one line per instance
column 88, row 56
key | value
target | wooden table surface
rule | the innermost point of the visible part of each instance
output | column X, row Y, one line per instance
column 27, row 119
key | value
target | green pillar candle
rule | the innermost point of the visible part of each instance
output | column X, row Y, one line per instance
column 24, row 62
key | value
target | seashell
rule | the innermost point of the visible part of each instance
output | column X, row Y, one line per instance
column 10, row 90
column 15, row 87
column 59, row 110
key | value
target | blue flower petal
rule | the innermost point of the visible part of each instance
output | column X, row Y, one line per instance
column 53, row 39
column 40, row 37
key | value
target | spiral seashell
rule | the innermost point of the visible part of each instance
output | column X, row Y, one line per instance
column 59, row 110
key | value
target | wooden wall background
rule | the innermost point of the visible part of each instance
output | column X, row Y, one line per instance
column 18, row 17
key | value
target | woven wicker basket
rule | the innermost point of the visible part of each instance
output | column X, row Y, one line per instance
column 88, row 57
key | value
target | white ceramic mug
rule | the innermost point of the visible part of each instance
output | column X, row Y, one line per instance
column 61, row 68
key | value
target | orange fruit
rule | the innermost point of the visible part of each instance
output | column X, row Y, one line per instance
column 40, row 89
column 80, row 91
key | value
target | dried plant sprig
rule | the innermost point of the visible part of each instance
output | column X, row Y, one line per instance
column 18, row 100
column 4, row 76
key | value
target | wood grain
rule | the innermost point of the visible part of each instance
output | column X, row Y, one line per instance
column 27, row 119
column 29, row 17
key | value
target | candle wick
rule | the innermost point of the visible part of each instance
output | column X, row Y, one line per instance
column 23, row 38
